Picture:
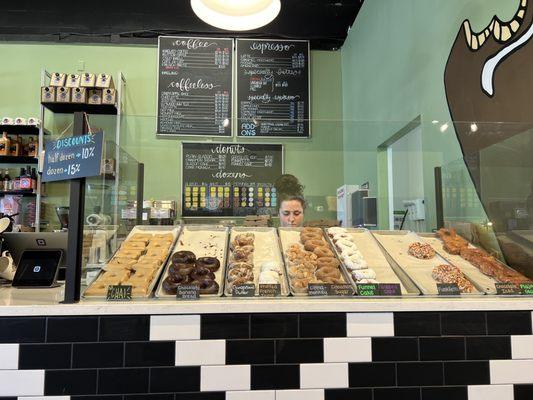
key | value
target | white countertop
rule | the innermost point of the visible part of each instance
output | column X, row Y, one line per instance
column 39, row 302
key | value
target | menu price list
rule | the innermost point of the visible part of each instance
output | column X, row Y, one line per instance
column 194, row 90
column 230, row 179
column 273, row 88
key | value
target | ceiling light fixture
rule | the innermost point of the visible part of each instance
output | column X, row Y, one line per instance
column 236, row 15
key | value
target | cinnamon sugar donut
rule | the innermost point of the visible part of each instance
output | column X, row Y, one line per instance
column 327, row 272
column 312, row 244
column 323, row 251
column 327, row 262
column 304, row 237
column 310, row 229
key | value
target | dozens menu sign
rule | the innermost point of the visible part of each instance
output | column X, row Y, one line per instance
column 194, row 86
column 230, row 179
column 273, row 88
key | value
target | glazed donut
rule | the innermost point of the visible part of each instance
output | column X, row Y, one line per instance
column 327, row 272
column 240, row 281
column 300, row 285
column 211, row 263
column 323, row 251
column 200, row 273
column 340, row 236
column 207, row 286
column 312, row 244
column 183, row 257
column 335, row 230
column 327, row 262
column 300, row 273
column 180, row 269
column 333, row 280
column 243, row 239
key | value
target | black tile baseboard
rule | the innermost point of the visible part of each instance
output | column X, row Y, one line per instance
column 250, row 351
column 225, row 326
column 321, row 325
column 488, row 348
column 397, row 394
column 298, row 351
column 123, row 381
column 466, row 373
column 73, row 381
column 445, row 393
column 174, row 379
column 419, row 374
column 274, row 326
column 97, row 355
column 394, row 349
column 523, row 392
column 124, row 328
column 22, row 330
column 372, row 374
column 269, row 377
column 464, row 323
column 442, row 348
column 201, row 396
column 72, row 329
column 150, row 354
column 348, row 394
column 509, row 323
column 417, row 324
column 45, row 356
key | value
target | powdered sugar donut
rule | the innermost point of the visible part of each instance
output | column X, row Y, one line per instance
column 367, row 281
column 345, row 243
column 364, row 274
column 336, row 230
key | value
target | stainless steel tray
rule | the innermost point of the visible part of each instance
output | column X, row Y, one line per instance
column 181, row 244
column 387, row 271
column 274, row 254
column 418, row 270
column 175, row 230
column 286, row 242
column 472, row 273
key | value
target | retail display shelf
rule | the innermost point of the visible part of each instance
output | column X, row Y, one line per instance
column 18, row 160
column 26, row 130
column 67, row 108
column 19, row 193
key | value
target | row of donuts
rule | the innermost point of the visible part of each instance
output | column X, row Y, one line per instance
column 311, row 260
column 136, row 263
column 351, row 256
column 241, row 260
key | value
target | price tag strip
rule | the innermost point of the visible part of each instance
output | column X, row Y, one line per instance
column 246, row 290
column 119, row 293
column 188, row 292
column 329, row 289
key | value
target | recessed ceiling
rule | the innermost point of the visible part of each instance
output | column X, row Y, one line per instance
column 324, row 22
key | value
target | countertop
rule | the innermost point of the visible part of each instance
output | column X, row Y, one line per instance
column 28, row 302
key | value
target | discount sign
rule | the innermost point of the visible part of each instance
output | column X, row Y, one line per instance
column 73, row 157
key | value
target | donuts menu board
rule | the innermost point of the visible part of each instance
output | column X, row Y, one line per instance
column 273, row 88
column 194, row 86
column 230, row 179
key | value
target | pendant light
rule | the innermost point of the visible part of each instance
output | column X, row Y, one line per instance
column 236, row 15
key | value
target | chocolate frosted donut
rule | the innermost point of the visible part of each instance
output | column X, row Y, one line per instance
column 169, row 286
column 200, row 273
column 180, row 269
column 207, row 286
column 211, row 263
column 183, row 257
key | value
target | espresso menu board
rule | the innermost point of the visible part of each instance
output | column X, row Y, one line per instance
column 194, row 86
column 273, row 88
column 230, row 179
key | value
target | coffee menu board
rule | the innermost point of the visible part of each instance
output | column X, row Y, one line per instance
column 194, row 86
column 273, row 88
column 230, row 179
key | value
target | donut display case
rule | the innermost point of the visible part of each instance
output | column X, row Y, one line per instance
column 255, row 258
column 423, row 264
column 138, row 262
column 309, row 258
column 199, row 257
column 363, row 258
column 485, row 270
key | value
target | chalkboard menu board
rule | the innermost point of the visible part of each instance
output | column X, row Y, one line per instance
column 194, row 86
column 273, row 88
column 230, row 179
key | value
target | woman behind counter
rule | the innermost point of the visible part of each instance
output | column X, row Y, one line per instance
column 292, row 205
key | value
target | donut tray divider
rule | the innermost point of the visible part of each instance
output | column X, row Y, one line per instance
column 414, row 272
column 160, row 293
column 474, row 275
column 409, row 286
column 344, row 273
column 175, row 230
column 284, row 281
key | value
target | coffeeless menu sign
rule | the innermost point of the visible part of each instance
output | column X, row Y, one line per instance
column 273, row 88
column 194, row 86
column 230, row 179
column 73, row 157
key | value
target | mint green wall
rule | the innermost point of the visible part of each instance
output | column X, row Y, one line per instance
column 393, row 70
column 317, row 162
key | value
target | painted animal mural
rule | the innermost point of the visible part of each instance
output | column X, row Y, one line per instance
column 489, row 78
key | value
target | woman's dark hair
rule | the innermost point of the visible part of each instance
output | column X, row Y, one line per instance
column 288, row 185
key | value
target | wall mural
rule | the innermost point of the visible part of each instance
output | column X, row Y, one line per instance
column 488, row 80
